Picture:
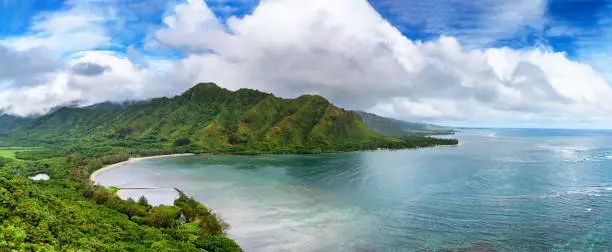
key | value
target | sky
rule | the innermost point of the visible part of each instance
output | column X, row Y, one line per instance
column 500, row 63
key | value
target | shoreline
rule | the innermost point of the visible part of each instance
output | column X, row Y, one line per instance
column 131, row 160
column 92, row 177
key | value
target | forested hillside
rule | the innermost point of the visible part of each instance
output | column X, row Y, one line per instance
column 9, row 122
column 394, row 127
column 208, row 118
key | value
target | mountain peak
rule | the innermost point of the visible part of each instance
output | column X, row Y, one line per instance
column 204, row 90
column 211, row 91
column 314, row 98
column 206, row 85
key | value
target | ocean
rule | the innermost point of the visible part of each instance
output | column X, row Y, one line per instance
column 499, row 190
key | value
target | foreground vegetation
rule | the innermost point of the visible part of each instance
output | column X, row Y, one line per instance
column 67, row 214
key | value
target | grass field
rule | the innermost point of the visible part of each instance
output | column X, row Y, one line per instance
column 9, row 152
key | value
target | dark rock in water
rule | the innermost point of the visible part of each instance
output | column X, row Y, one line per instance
column 474, row 247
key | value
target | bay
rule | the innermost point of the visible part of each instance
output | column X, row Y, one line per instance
column 500, row 189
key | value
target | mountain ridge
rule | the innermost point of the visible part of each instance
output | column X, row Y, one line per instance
column 209, row 118
column 10, row 122
column 394, row 127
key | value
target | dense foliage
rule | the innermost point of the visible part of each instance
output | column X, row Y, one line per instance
column 63, row 214
column 8, row 123
column 211, row 119
column 48, row 216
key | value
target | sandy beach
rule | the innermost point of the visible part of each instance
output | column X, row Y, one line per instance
column 93, row 175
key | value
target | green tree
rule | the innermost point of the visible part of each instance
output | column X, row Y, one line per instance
column 101, row 195
column 144, row 202
column 217, row 243
column 132, row 208
column 190, row 208
column 211, row 224
column 163, row 216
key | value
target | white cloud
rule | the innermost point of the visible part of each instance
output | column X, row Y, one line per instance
column 193, row 27
column 345, row 51
column 36, row 78
column 27, row 100
column 59, row 62
column 26, row 67
column 293, row 47
column 79, row 27
column 123, row 80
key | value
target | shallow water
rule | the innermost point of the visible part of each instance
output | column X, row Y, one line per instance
column 505, row 190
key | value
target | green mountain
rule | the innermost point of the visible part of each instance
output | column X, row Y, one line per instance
column 392, row 127
column 111, row 105
column 207, row 118
column 9, row 122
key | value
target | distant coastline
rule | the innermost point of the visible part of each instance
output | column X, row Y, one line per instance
column 94, row 174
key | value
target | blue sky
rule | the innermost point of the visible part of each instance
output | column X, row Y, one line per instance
column 540, row 63
column 136, row 17
column 566, row 25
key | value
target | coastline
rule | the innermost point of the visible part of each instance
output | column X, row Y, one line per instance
column 130, row 160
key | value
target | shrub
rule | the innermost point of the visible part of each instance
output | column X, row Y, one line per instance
column 163, row 216
column 217, row 243
column 212, row 224
column 139, row 220
column 144, row 202
column 4, row 161
column 191, row 209
column 134, row 209
column 101, row 195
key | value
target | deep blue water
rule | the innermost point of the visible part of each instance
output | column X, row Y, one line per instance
column 501, row 190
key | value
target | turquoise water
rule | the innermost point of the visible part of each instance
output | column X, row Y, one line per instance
column 502, row 190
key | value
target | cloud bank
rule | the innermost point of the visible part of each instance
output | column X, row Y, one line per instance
column 343, row 50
